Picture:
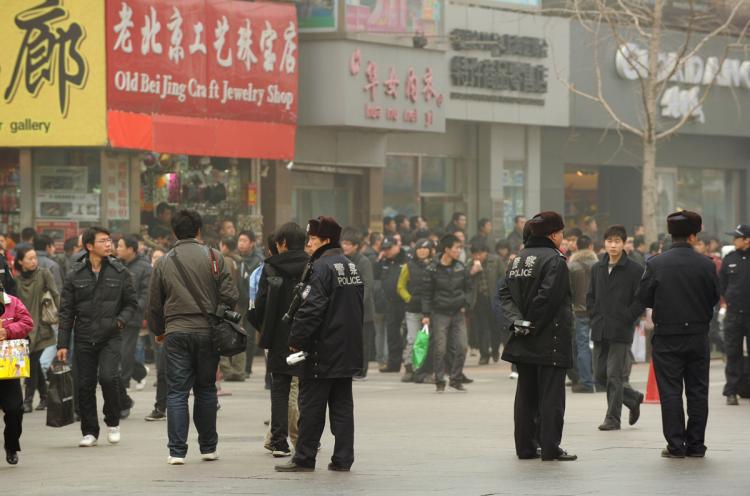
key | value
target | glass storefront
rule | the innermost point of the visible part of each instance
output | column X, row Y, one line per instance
column 337, row 195
column 10, row 191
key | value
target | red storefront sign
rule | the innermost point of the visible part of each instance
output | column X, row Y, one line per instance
column 202, row 77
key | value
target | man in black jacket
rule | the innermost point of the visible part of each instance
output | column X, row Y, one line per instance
column 614, row 309
column 251, row 259
column 281, row 274
column 328, row 327
column 682, row 288
column 536, row 299
column 445, row 298
column 98, row 300
column 735, row 288
column 387, row 271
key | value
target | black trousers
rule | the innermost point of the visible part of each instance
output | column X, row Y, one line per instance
column 483, row 324
column 98, row 362
column 736, row 330
column 281, row 384
column 36, row 381
column 394, row 317
column 129, row 368
column 11, row 402
column 612, row 366
column 539, row 410
column 368, row 339
column 314, row 396
column 678, row 360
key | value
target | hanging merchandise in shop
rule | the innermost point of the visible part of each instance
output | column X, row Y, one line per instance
column 203, row 77
column 52, row 89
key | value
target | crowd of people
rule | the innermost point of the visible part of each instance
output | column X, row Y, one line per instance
column 110, row 291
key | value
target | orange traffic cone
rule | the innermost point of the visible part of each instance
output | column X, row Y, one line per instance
column 652, row 391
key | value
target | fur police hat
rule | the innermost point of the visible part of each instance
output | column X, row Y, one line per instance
column 325, row 228
column 683, row 224
column 546, row 223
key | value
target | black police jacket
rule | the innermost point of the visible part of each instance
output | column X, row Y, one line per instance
column 682, row 288
column 280, row 275
column 95, row 307
column 537, row 289
column 611, row 300
column 328, row 324
column 734, row 279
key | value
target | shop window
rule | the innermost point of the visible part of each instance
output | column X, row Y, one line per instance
column 400, row 193
column 437, row 175
column 318, row 194
column 10, row 192
column 514, row 189
column 711, row 193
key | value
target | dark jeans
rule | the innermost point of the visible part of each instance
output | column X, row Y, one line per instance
column 583, row 346
column 36, row 380
column 252, row 346
column 161, row 379
column 678, row 360
column 736, row 330
column 483, row 322
column 368, row 340
column 394, row 317
column 191, row 361
column 11, row 403
column 281, row 384
column 102, row 360
column 315, row 395
column 613, row 369
column 449, row 332
column 539, row 410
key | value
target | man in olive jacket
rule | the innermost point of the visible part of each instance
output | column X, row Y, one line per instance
column 614, row 310
column 537, row 291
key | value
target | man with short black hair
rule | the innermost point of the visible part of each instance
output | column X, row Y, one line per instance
column 97, row 301
column 580, row 265
column 485, row 272
column 387, row 271
column 639, row 251
column 389, row 225
column 45, row 248
column 682, row 288
column 516, row 235
column 177, row 319
column 250, row 260
column 27, row 236
column 614, row 310
column 484, row 233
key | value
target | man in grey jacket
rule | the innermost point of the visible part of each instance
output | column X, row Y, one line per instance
column 44, row 246
column 191, row 357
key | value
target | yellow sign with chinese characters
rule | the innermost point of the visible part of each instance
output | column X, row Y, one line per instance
column 52, row 73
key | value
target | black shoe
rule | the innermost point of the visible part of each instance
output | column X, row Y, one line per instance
column 465, row 380
column 665, row 453
column 336, row 468
column 27, row 407
column 495, row 356
column 440, row 386
column 390, row 370
column 732, row 400
column 11, row 457
column 125, row 413
column 563, row 456
column 609, row 426
column 635, row 412
column 293, row 467
column 458, row 386
column 537, row 454
column 696, row 454
column 155, row 415
column 581, row 388
column 42, row 405
column 484, row 360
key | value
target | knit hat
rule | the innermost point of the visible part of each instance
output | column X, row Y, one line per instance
column 325, row 228
column 683, row 224
column 546, row 223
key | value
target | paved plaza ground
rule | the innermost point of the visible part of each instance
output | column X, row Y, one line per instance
column 409, row 441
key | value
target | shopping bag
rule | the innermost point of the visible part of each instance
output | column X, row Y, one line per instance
column 639, row 342
column 60, row 408
column 14, row 359
column 421, row 345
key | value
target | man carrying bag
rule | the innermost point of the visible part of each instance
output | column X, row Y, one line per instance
column 182, row 321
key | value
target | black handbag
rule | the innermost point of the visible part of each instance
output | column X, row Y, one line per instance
column 229, row 338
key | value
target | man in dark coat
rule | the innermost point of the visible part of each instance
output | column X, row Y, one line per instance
column 387, row 271
column 682, row 287
column 281, row 274
column 537, row 301
column 614, row 310
column 328, row 327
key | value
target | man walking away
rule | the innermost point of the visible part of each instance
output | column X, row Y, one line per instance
column 98, row 300
column 580, row 277
column 682, row 288
column 537, row 300
column 190, row 354
column 614, row 310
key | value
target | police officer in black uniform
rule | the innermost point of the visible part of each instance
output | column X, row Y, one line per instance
column 536, row 299
column 328, row 326
column 734, row 280
column 682, row 288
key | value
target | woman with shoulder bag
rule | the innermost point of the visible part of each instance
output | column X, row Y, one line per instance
column 38, row 292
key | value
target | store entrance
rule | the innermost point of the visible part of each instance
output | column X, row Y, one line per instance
column 611, row 194
column 333, row 195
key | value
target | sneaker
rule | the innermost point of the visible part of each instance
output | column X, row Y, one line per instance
column 87, row 442
column 42, row 405
column 210, row 457
column 140, row 385
column 484, row 360
column 465, row 380
column 175, row 460
column 440, row 386
column 293, row 467
column 495, row 356
column 359, row 378
column 113, row 435
column 582, row 388
column 513, row 376
column 458, row 386
column 281, row 453
column 732, row 400
column 155, row 415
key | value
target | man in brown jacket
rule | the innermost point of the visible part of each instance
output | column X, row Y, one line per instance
column 580, row 277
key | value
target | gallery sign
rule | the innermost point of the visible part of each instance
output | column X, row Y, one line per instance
column 52, row 89
column 202, row 76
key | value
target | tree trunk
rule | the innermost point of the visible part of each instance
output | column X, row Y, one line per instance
column 648, row 199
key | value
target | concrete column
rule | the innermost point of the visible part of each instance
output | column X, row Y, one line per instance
column 533, row 170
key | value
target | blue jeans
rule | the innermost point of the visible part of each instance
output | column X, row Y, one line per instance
column 191, row 362
column 583, row 339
